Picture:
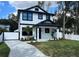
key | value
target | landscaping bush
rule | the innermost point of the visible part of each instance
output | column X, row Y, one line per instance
column 4, row 50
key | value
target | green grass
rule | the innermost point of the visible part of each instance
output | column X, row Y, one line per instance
column 59, row 48
column 4, row 50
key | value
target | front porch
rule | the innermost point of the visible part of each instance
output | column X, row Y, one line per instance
column 46, row 30
column 44, row 33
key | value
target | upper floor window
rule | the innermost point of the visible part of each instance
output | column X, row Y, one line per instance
column 48, row 17
column 40, row 16
column 27, row 16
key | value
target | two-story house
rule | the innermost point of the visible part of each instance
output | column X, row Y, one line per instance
column 40, row 21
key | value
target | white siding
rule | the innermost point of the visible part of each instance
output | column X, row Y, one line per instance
column 44, row 35
column 33, row 9
column 35, row 19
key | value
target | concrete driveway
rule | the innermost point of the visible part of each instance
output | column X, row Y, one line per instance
column 22, row 49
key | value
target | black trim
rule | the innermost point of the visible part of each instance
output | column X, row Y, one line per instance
column 36, row 6
column 19, row 36
column 47, row 23
column 3, row 37
column 36, row 33
column 25, row 10
column 25, row 24
column 39, row 33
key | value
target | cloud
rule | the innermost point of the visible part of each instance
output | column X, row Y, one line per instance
column 27, row 4
column 23, row 4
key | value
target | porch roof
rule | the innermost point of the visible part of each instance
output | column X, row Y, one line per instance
column 47, row 23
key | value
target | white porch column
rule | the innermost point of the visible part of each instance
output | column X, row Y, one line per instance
column 20, row 29
column 57, row 33
column 37, row 33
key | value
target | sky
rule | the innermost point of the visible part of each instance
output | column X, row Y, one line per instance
column 8, row 7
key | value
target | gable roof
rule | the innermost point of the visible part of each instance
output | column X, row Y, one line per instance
column 38, row 7
column 28, row 9
column 47, row 23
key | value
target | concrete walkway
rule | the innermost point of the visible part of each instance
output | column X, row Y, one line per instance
column 22, row 49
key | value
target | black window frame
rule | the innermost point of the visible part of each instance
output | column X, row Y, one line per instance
column 47, row 17
column 47, row 30
column 36, row 9
column 27, row 14
column 40, row 16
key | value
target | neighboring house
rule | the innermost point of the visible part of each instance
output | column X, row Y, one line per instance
column 4, row 24
column 40, row 21
column 6, row 27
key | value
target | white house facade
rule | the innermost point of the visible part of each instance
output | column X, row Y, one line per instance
column 40, row 22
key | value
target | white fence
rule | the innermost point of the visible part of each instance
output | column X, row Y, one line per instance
column 11, row 35
column 72, row 36
column 68, row 36
column 1, row 37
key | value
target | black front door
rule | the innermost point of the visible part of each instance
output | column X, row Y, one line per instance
column 39, row 33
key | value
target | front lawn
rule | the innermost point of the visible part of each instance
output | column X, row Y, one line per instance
column 4, row 50
column 59, row 48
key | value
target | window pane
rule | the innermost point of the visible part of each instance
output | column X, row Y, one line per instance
column 24, row 16
column 46, row 30
column 40, row 16
column 48, row 17
column 29, row 16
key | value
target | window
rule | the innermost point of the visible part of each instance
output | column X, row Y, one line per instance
column 26, row 33
column 48, row 17
column 40, row 16
column 46, row 30
column 27, row 16
column 36, row 9
column 24, row 16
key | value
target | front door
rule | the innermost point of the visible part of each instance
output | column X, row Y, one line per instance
column 39, row 33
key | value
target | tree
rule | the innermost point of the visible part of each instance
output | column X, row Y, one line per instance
column 64, row 6
column 28, row 30
column 13, row 17
column 73, row 8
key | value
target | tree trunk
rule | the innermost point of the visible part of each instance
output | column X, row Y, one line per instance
column 64, row 26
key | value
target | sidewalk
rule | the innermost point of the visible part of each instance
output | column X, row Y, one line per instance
column 22, row 49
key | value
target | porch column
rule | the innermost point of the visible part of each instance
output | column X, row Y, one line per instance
column 37, row 33
column 57, row 34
